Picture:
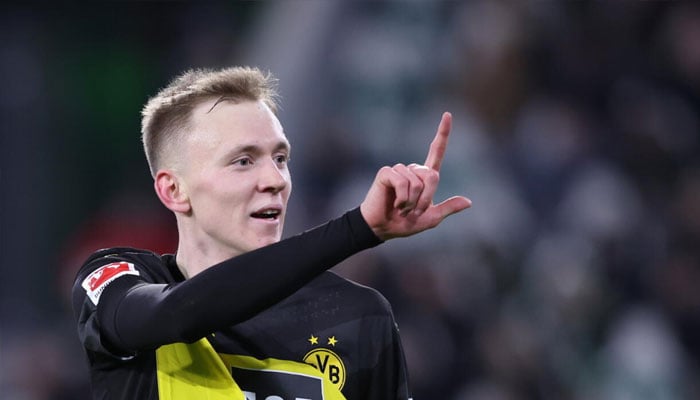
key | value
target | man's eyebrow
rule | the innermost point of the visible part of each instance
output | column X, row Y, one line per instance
column 283, row 145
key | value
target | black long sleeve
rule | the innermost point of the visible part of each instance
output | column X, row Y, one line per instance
column 136, row 315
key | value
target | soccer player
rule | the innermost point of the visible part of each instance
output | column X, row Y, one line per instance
column 238, row 313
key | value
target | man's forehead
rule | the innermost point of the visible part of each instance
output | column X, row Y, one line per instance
column 216, row 121
column 232, row 112
column 214, row 104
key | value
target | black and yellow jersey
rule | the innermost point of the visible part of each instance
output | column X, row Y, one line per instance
column 267, row 325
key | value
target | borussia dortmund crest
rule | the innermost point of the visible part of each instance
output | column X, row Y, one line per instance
column 327, row 361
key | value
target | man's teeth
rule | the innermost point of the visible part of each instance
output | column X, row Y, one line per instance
column 267, row 214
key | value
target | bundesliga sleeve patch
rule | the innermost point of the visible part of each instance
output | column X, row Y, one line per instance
column 95, row 283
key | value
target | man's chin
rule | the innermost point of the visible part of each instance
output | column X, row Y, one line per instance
column 266, row 241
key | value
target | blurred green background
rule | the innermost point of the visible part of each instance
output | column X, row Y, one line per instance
column 576, row 128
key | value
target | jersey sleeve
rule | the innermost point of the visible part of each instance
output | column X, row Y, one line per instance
column 101, row 271
column 132, row 314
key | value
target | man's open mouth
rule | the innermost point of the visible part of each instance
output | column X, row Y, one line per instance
column 268, row 213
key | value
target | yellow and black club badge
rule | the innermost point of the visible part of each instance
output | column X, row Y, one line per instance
column 326, row 360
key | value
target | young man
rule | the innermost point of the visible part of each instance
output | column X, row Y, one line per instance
column 238, row 313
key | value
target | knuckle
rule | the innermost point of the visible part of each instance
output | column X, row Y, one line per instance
column 418, row 186
column 433, row 176
column 384, row 170
column 419, row 167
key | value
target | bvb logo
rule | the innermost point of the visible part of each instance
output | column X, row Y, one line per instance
column 329, row 364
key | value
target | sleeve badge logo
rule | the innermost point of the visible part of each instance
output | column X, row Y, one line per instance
column 95, row 283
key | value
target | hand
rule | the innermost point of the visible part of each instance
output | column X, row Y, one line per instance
column 400, row 200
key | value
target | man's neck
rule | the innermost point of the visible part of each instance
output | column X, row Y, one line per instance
column 192, row 264
column 195, row 255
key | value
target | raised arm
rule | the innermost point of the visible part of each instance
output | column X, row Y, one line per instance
column 135, row 314
column 400, row 201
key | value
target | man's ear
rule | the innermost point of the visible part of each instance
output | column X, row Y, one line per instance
column 171, row 191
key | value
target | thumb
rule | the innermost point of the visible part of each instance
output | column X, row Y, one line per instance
column 452, row 205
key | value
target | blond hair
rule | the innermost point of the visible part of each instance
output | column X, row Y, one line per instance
column 166, row 116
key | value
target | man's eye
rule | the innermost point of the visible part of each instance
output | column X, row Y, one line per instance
column 282, row 158
column 243, row 162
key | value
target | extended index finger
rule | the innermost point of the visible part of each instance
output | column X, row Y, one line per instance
column 439, row 144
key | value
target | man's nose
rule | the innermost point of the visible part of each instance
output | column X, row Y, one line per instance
column 273, row 178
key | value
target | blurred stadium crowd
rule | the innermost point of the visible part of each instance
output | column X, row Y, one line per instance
column 574, row 276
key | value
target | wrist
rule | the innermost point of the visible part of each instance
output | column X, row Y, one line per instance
column 377, row 230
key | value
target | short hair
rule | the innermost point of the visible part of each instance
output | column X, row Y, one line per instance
column 166, row 116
